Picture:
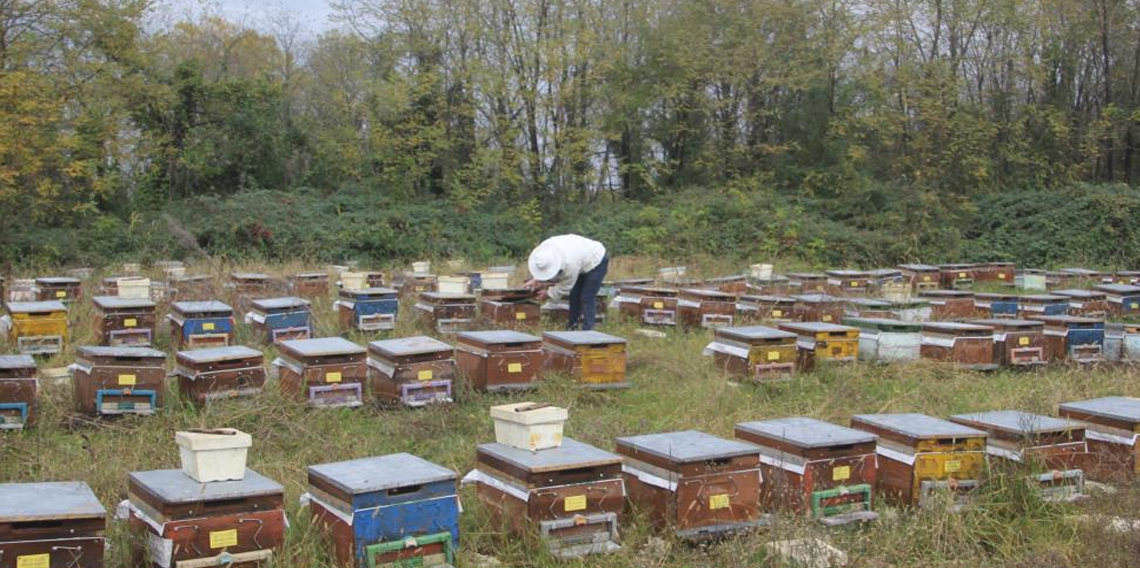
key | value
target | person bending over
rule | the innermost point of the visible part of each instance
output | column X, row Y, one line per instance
column 572, row 267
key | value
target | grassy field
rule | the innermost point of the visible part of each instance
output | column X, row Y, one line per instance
column 674, row 388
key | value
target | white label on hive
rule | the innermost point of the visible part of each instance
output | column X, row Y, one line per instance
column 127, row 380
column 333, row 377
column 718, row 501
column 130, row 322
column 424, row 375
column 953, row 466
column 574, row 503
column 34, row 561
column 514, row 368
column 841, row 473
column 520, row 316
column 1023, row 341
column 208, row 326
column 223, row 539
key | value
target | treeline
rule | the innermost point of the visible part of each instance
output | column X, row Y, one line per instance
column 528, row 106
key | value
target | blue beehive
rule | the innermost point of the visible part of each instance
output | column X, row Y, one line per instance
column 1078, row 339
column 368, row 309
column 201, row 324
column 998, row 305
column 281, row 319
column 395, row 510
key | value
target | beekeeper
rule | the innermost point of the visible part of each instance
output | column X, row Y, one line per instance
column 571, row 267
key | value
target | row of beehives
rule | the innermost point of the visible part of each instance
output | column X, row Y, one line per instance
column 401, row 510
column 325, row 372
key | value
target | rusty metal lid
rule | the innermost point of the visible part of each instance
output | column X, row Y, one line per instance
column 753, row 332
column 215, row 354
column 11, row 362
column 172, row 486
column 804, row 432
column 201, row 307
column 381, row 473
column 33, row 307
column 103, row 351
column 405, row 346
column 52, row 501
column 570, row 455
column 58, row 281
column 117, row 303
column 285, row 303
column 1123, row 408
column 322, row 346
column 584, row 337
column 919, row 426
column 688, row 446
column 1017, row 422
column 498, row 336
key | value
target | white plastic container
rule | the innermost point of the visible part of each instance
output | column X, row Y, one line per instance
column 495, row 280
column 133, row 288
column 453, row 284
column 213, row 455
column 761, row 271
column 421, row 268
column 529, row 426
column 353, row 280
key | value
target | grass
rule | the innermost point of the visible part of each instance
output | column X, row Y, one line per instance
column 675, row 388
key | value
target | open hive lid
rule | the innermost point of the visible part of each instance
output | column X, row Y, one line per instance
column 807, row 433
column 321, row 347
column 205, row 308
column 582, row 337
column 172, row 486
column 1118, row 409
column 1016, row 424
column 16, row 362
column 120, row 303
column 914, row 426
column 216, row 354
column 35, row 307
column 380, row 473
column 687, row 446
column 572, row 454
column 408, row 346
column 753, row 333
column 50, row 501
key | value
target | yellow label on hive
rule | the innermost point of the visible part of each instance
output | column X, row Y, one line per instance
column 953, row 466
column 223, row 539
column 658, row 305
column 826, row 318
column 926, row 279
column 34, row 561
column 961, row 275
column 854, row 284
column 520, row 316
column 130, row 322
column 127, row 380
column 424, row 375
column 1134, row 305
column 514, row 368
column 718, row 502
column 574, row 503
column 777, row 313
column 1001, row 276
column 773, row 355
column 333, row 377
column 60, row 294
column 1023, row 341
column 841, row 473
column 208, row 326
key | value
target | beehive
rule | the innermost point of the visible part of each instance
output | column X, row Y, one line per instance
column 199, row 324
column 820, row 308
column 324, row 372
column 763, row 308
column 413, row 371
column 921, row 276
column 1073, row 338
column 997, row 306
column 49, row 525
column 969, row 346
column 950, row 305
column 848, row 282
column 887, row 340
column 595, row 359
column 823, row 341
column 446, row 313
column 38, row 328
column 1087, row 303
column 1017, row 342
column 18, row 388
column 957, row 276
column 119, row 380
column 499, row 360
column 280, row 319
column 1123, row 299
column 124, row 321
column 368, row 309
column 706, row 308
column 1112, row 434
column 756, row 352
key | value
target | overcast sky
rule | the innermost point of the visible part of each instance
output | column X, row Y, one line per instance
column 314, row 14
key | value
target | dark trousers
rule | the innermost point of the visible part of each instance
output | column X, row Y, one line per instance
column 584, row 296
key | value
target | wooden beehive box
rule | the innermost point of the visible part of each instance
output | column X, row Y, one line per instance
column 368, row 309
column 38, row 328
column 823, row 341
column 887, row 340
column 996, row 272
column 325, row 372
column 1073, row 338
column 558, row 313
column 921, row 276
column 996, row 306
column 280, row 319
column 969, row 346
column 655, row 306
column 807, row 282
column 393, row 510
column 510, row 307
column 921, row 456
column 957, row 276
column 1054, row 448
column 1079, row 277
column 413, row 371
column 309, row 284
column 848, row 282
column 735, row 284
column 419, row 284
column 18, row 387
column 205, row 375
column 200, row 324
column 124, row 322
column 756, row 353
column 63, row 289
column 699, row 485
column 571, row 495
column 706, row 308
column 763, row 308
column 596, row 360
column 192, row 287
column 815, row 468
column 181, row 522
column 248, row 286
column 819, row 307
column 446, row 313
column 1043, row 305
column 1087, row 303
column 1123, row 299
column 49, row 525
column 775, row 284
column 1129, row 277
column 868, row 308
column 499, row 360
column 119, row 380
column 1017, row 342
column 1112, row 434
column 950, row 304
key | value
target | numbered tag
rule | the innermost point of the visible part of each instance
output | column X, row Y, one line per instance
column 223, row 539
column 520, row 316
column 841, row 473
column 574, row 503
column 953, row 466
column 514, row 368
column 777, row 313
column 60, row 294
column 127, row 380
column 773, row 355
column 334, row 377
column 658, row 305
column 826, row 318
column 208, row 326
column 1023, row 341
column 718, row 502
column 130, row 322
column 34, row 561
column 424, row 375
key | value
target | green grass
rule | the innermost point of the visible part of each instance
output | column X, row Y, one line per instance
column 674, row 388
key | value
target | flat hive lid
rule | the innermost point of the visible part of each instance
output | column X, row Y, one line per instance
column 33, row 307
column 946, row 294
column 406, row 346
column 249, row 276
column 279, row 303
column 869, row 302
column 1081, row 271
column 884, row 272
column 584, row 337
column 753, row 332
column 447, row 296
column 729, row 278
column 375, row 291
column 688, row 446
column 768, row 299
column 1088, row 294
column 1118, row 288
column 816, row 298
column 322, row 346
column 849, row 273
column 172, row 486
column 919, row 426
column 804, row 432
column 215, row 354
column 23, row 502
column 997, row 297
column 651, row 290
column 953, row 327
column 817, row 327
column 958, row 265
column 1043, row 298
column 11, row 362
column 380, row 473
column 1066, row 320
column 571, row 454
column 1017, row 422
column 311, row 275
column 498, row 336
column 919, row 267
column 200, row 307
column 58, row 281
column 883, row 324
column 1010, row 323
column 117, row 303
column 708, row 293
column 1123, row 408
column 807, row 275
column 102, row 351
column 191, row 278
